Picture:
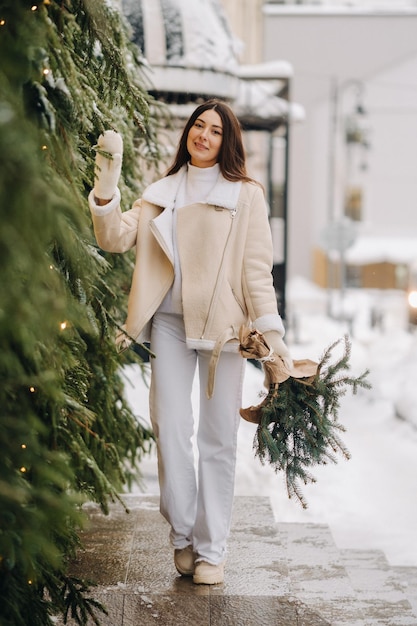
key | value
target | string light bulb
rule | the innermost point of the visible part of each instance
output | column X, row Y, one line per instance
column 63, row 325
column 32, row 389
column 2, row 22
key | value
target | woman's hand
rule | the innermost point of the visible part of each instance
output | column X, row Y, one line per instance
column 107, row 170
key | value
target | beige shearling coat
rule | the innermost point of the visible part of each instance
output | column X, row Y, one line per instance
column 225, row 252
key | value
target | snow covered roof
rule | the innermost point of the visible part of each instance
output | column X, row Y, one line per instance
column 188, row 45
column 262, row 98
column 382, row 250
column 259, row 107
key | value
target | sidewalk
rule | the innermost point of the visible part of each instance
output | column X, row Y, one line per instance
column 276, row 574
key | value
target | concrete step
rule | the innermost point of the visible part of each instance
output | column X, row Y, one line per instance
column 381, row 589
column 408, row 578
column 318, row 578
column 276, row 574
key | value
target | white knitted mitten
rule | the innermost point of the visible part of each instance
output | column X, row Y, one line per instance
column 107, row 171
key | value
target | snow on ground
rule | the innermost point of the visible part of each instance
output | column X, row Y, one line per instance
column 370, row 501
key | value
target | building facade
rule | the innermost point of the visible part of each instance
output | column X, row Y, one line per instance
column 355, row 156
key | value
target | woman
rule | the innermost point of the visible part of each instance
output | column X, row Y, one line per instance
column 203, row 268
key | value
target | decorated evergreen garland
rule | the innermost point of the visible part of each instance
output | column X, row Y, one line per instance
column 67, row 433
column 298, row 425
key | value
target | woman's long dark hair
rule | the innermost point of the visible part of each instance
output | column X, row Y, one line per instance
column 232, row 160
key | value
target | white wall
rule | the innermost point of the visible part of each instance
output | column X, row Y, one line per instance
column 380, row 50
column 392, row 186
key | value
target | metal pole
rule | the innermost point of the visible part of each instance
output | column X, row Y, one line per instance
column 270, row 193
column 283, row 310
column 333, row 130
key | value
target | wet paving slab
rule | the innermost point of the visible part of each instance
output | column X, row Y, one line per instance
column 219, row 611
column 128, row 557
column 140, row 609
column 276, row 574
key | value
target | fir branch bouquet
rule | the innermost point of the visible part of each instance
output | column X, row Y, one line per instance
column 297, row 421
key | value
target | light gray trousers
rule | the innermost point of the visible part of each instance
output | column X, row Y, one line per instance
column 196, row 502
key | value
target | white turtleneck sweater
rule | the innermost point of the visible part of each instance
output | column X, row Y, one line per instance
column 195, row 187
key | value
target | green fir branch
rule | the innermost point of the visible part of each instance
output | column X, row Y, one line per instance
column 299, row 428
column 78, row 606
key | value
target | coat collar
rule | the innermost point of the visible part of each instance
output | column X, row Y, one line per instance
column 163, row 192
